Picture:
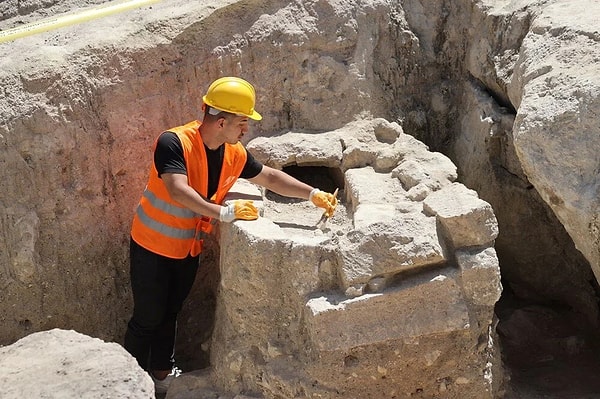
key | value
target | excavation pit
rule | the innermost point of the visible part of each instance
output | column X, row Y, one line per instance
column 81, row 110
column 322, row 177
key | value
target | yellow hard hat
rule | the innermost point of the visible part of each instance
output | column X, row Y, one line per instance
column 233, row 95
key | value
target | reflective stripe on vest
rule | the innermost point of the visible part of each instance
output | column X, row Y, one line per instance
column 163, row 229
column 166, row 207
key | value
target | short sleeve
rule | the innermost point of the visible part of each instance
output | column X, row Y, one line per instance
column 252, row 168
column 168, row 155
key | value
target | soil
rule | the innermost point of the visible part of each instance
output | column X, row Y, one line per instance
column 549, row 352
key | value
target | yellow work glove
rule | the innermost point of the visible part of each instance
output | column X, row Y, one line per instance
column 240, row 209
column 324, row 200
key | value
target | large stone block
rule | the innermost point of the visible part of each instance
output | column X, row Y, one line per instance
column 298, row 149
column 480, row 275
column 387, row 242
column 466, row 219
column 435, row 306
column 432, row 169
column 360, row 183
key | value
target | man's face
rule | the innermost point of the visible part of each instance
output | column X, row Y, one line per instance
column 234, row 128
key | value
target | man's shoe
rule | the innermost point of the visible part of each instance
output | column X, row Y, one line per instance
column 162, row 386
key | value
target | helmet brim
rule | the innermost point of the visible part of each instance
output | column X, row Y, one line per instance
column 255, row 115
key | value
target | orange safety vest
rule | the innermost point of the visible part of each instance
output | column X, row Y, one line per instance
column 162, row 225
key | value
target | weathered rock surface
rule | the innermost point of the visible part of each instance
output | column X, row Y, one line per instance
column 525, row 141
column 347, row 305
column 466, row 220
column 67, row 364
column 556, row 90
column 509, row 90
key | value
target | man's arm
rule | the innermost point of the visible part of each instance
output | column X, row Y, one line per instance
column 281, row 183
column 286, row 185
column 179, row 189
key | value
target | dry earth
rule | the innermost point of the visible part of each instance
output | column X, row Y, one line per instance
column 507, row 89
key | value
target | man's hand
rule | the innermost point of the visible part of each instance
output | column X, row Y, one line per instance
column 240, row 209
column 324, row 200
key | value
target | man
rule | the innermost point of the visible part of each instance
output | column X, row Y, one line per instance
column 194, row 167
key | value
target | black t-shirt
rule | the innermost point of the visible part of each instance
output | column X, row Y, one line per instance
column 168, row 158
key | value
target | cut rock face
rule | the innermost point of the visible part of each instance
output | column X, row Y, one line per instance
column 393, row 297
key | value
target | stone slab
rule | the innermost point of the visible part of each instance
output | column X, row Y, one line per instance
column 431, row 307
column 466, row 219
column 480, row 275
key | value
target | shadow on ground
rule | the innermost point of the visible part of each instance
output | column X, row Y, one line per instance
column 548, row 351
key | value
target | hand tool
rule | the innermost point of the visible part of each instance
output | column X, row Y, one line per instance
column 323, row 220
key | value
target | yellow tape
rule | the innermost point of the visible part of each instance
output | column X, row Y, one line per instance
column 71, row 19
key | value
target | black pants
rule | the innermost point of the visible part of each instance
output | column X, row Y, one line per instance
column 160, row 286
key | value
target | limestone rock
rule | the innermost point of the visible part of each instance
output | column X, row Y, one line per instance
column 424, row 172
column 434, row 306
column 298, row 149
column 66, row 364
column 515, row 143
column 556, row 86
column 480, row 275
column 302, row 306
column 466, row 219
column 387, row 242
